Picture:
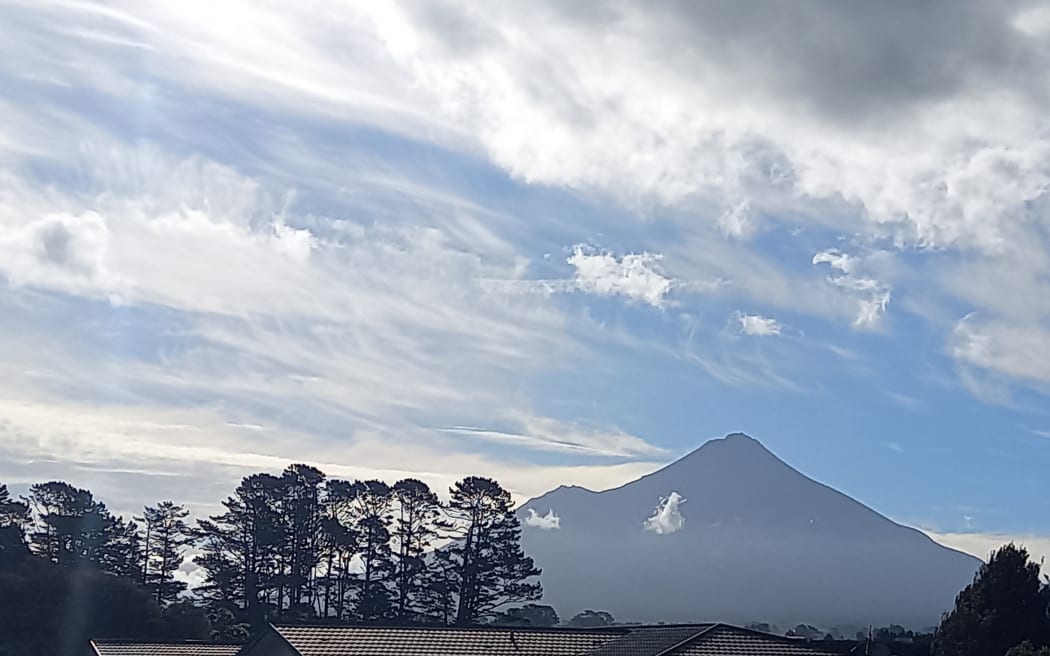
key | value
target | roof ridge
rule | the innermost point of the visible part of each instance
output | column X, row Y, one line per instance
column 600, row 630
column 695, row 636
column 132, row 641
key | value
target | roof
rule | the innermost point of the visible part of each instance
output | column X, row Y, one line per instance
column 443, row 641
column 661, row 640
column 725, row 640
column 651, row 640
column 187, row 648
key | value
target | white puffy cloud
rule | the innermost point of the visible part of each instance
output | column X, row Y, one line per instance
column 757, row 325
column 548, row 522
column 59, row 250
column 634, row 275
column 667, row 518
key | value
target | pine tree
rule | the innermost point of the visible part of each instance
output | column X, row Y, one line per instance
column 1005, row 606
column 167, row 535
column 371, row 505
column 339, row 545
column 301, row 517
column 489, row 567
column 14, row 518
column 418, row 519
column 74, row 528
column 239, row 549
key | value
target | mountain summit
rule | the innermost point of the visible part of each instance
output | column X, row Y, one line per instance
column 730, row 532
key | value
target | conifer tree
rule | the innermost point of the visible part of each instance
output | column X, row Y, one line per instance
column 14, row 518
column 1005, row 606
column 486, row 560
column 417, row 521
column 301, row 518
column 167, row 536
column 339, row 544
column 239, row 549
column 371, row 507
column 74, row 528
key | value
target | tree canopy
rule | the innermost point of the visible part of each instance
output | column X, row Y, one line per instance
column 1004, row 607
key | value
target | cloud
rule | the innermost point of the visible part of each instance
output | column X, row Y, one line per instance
column 981, row 545
column 547, row 434
column 60, row 251
column 666, row 519
column 200, row 297
column 1017, row 350
column 755, row 324
column 869, row 295
column 633, row 275
column 547, row 522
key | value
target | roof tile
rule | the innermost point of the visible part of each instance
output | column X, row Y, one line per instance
column 128, row 648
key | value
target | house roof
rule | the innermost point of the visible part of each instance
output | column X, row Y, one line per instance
column 725, row 640
column 443, row 641
column 662, row 640
column 187, row 648
column 651, row 640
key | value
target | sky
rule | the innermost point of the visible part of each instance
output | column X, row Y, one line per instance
column 552, row 243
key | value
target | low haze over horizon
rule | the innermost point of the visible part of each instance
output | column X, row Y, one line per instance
column 548, row 243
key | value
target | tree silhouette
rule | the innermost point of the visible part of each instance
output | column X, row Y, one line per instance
column 73, row 528
column 167, row 535
column 239, row 549
column 300, row 506
column 417, row 523
column 486, row 561
column 591, row 619
column 1005, row 606
column 339, row 546
column 530, row 615
column 14, row 518
column 371, row 506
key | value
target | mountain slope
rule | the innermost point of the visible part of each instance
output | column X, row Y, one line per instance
column 754, row 540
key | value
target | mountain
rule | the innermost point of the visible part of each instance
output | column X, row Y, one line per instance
column 740, row 537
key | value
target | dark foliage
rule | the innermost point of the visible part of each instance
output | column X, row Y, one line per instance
column 487, row 565
column 48, row 609
column 1005, row 606
column 590, row 619
column 529, row 615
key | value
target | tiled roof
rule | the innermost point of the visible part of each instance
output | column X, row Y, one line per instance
column 440, row 641
column 650, row 640
column 128, row 648
column 731, row 641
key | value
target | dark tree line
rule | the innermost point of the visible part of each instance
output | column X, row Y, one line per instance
column 1004, row 612
column 295, row 547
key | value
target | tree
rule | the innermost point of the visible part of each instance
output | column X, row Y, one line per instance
column 14, row 518
column 370, row 508
column 239, row 549
column 1004, row 606
column 591, row 619
column 488, row 565
column 48, row 609
column 416, row 526
column 301, row 517
column 1026, row 648
column 807, row 631
column 73, row 528
column 339, row 546
column 167, row 535
column 530, row 615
